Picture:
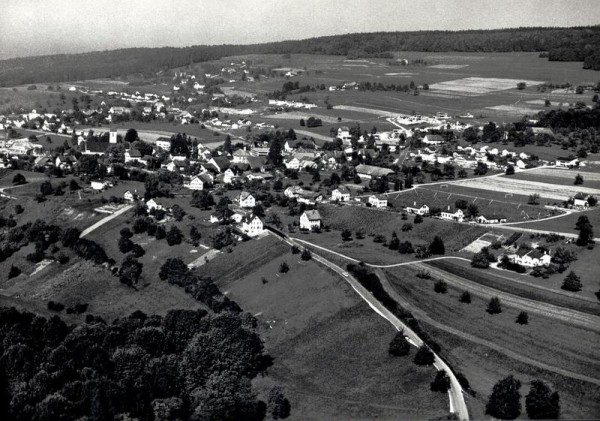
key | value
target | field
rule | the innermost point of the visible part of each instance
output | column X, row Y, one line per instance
column 476, row 86
column 557, row 176
column 566, row 223
column 329, row 347
column 526, row 187
column 556, row 345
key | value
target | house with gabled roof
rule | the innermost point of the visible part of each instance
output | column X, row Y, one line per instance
column 581, row 200
column 251, row 225
column 219, row 163
column 378, row 201
column 247, row 200
column 94, row 148
column 416, row 209
column 453, row 214
column 310, row 219
column 531, row 258
column 340, row 193
column 495, row 219
column 432, row 139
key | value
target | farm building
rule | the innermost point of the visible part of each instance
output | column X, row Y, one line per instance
column 531, row 258
column 455, row 215
column 99, row 185
column 581, row 200
column 152, row 204
column 566, row 162
column 496, row 219
column 292, row 163
column 310, row 219
column 369, row 172
column 433, row 139
column 130, row 197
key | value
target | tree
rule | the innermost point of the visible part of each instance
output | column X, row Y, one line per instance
column 131, row 136
column 126, row 232
column 302, row 122
column 522, row 318
column 424, row 356
column 46, row 188
column 174, row 236
column 465, row 297
column 178, row 212
column 541, row 403
column 534, row 199
column 418, row 219
column 586, row 231
column 510, row 169
column 130, row 271
column 521, row 86
column 399, row 346
column 407, row 227
column 73, row 185
column 441, row 383
column 275, row 152
column 572, row 282
column 13, row 272
column 19, row 179
column 125, row 245
column 306, row 255
column 346, row 235
column 160, row 232
column 19, row 209
column 437, row 246
column 440, row 286
column 494, row 306
column 284, row 268
column 578, row 179
column 278, row 404
column 505, row 401
column 227, row 146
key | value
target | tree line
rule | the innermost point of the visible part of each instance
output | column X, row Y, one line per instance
column 563, row 44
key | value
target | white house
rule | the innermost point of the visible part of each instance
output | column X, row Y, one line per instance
column 163, row 143
column 292, row 163
column 132, row 155
column 247, row 200
column 531, row 258
column 310, row 220
column 151, row 204
column 378, row 201
column 580, row 200
column 344, row 134
column 433, row 139
column 196, row 184
column 99, row 185
column 496, row 219
column 341, row 193
column 251, row 225
column 130, row 197
column 457, row 215
column 418, row 210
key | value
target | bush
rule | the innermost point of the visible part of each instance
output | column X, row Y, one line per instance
column 407, row 227
column 572, row 283
column 522, row 318
column 63, row 259
column 306, row 255
column 465, row 297
column 418, row 219
column 174, row 236
column 295, row 250
column 126, row 232
column 494, row 306
column 441, row 383
column 424, row 356
column 19, row 209
column 440, row 287
column 399, row 346
column 541, row 403
column 13, row 272
column 19, row 179
column 284, row 268
column 53, row 306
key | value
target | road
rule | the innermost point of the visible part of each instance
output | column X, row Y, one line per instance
column 105, row 220
column 455, row 394
column 585, row 320
column 422, row 316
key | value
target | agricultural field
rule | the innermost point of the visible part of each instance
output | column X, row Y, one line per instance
column 566, row 223
column 329, row 348
column 557, row 176
column 559, row 347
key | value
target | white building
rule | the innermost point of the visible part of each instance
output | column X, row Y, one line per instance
column 457, row 215
column 531, row 258
column 196, row 184
column 251, row 225
column 247, row 200
column 418, row 210
column 310, row 220
column 378, row 201
column 341, row 193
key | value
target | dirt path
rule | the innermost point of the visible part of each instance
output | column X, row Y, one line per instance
column 422, row 316
column 105, row 220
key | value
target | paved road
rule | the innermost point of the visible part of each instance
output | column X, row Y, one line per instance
column 423, row 316
column 105, row 220
column 564, row 314
column 456, row 397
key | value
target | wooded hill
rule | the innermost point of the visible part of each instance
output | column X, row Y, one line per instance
column 561, row 44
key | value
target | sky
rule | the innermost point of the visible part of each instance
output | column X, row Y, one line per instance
column 41, row 27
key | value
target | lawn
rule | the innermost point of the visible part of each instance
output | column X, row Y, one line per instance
column 566, row 223
column 543, row 339
column 329, row 347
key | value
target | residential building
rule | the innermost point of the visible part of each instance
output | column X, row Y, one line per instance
column 453, row 215
column 247, row 200
column 340, row 193
column 531, row 258
column 418, row 209
column 251, row 225
column 378, row 201
column 310, row 220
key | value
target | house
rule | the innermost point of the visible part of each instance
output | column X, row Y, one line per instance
column 457, row 215
column 496, row 219
column 152, row 204
column 196, row 184
column 99, row 185
column 163, row 143
column 64, row 162
column 310, row 220
column 531, row 258
column 292, row 191
column 219, row 163
column 378, row 201
column 130, row 197
column 580, row 200
column 433, row 139
column 241, row 156
column 133, row 155
column 369, row 172
column 257, row 163
column 94, row 148
column 344, row 134
column 290, row 145
column 251, row 225
column 341, row 193
column 521, row 165
column 418, row 210
column 566, row 162
column 247, row 200
column 292, row 163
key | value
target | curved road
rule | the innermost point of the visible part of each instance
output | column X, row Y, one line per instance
column 585, row 320
column 422, row 315
column 456, row 397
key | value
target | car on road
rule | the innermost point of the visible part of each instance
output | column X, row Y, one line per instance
column 345, row 274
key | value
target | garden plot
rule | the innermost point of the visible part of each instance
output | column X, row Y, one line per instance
column 476, row 86
column 527, row 187
column 485, row 240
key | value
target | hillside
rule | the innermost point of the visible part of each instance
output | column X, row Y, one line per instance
column 561, row 44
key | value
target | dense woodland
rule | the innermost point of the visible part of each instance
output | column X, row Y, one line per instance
column 560, row 44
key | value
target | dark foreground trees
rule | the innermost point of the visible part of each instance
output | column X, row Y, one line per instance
column 541, row 403
column 505, row 401
column 399, row 346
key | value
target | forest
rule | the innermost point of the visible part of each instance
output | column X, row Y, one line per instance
column 559, row 44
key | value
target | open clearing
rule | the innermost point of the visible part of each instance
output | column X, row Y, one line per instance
column 514, row 109
column 473, row 86
column 448, row 66
column 329, row 348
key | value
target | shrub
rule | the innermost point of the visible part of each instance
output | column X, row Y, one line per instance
column 424, row 356
column 13, row 272
column 284, row 268
column 465, row 297
column 572, row 282
column 522, row 318
column 440, row 287
column 306, row 255
column 399, row 346
column 441, row 383
column 53, row 306
column 19, row 179
column 494, row 306
column 418, row 219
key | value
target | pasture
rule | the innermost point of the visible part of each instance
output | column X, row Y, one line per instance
column 330, row 349
column 558, row 176
column 544, row 339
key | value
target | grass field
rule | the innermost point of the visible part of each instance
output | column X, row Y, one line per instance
column 559, row 177
column 329, row 348
column 567, row 223
column 543, row 339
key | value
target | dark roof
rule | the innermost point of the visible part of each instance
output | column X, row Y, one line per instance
column 222, row 162
column 257, row 161
column 536, row 254
column 135, row 153
column 96, row 147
